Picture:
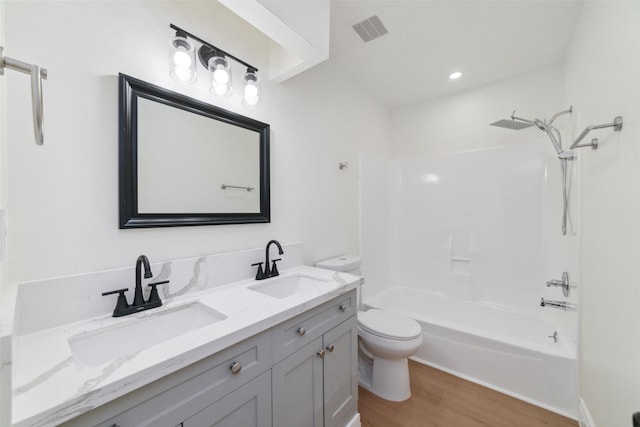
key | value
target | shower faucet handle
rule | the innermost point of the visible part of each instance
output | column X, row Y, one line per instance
column 563, row 283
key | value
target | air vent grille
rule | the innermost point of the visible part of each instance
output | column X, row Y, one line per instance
column 370, row 29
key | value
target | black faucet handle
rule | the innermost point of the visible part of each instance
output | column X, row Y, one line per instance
column 260, row 274
column 164, row 282
column 117, row 291
column 154, row 298
column 122, row 306
column 274, row 268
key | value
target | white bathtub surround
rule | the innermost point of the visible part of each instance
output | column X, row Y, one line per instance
column 478, row 232
column 499, row 347
column 50, row 386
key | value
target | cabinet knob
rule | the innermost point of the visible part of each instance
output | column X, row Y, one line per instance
column 321, row 353
column 330, row 348
column 301, row 331
column 343, row 307
column 235, row 367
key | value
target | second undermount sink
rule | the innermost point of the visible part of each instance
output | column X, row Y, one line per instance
column 111, row 343
column 286, row 286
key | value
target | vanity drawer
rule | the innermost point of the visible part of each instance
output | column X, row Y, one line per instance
column 172, row 399
column 295, row 333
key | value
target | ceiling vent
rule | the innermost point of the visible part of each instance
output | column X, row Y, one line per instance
column 370, row 29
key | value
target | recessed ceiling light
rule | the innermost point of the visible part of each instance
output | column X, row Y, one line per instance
column 456, row 75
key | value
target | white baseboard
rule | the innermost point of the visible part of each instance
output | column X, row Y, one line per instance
column 355, row 421
column 585, row 415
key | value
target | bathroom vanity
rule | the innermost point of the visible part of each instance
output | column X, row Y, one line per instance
column 224, row 349
column 305, row 365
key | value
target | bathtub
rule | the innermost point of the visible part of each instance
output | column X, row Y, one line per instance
column 502, row 349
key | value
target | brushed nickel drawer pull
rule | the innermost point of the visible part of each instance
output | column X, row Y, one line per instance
column 301, row 331
column 235, row 367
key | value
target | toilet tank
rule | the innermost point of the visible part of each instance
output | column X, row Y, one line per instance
column 343, row 263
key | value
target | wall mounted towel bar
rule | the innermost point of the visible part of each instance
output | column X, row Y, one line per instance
column 225, row 186
column 37, row 74
column 616, row 125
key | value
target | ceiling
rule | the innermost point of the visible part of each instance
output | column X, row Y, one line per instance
column 427, row 40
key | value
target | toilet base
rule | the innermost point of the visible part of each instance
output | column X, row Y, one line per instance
column 386, row 378
column 390, row 379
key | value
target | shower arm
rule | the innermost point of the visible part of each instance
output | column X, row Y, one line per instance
column 616, row 125
column 555, row 116
column 533, row 122
column 520, row 119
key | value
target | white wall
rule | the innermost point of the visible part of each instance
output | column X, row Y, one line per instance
column 63, row 197
column 602, row 78
column 460, row 122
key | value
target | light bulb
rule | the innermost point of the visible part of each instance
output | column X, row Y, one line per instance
column 250, row 91
column 251, row 98
column 455, row 75
column 219, row 90
column 182, row 59
column 252, row 102
column 182, row 66
column 221, row 76
column 183, row 74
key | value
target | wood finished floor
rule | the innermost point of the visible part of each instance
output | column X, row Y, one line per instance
column 439, row 399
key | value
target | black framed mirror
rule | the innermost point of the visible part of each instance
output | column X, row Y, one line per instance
column 183, row 162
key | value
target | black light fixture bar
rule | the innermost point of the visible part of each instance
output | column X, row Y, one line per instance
column 249, row 66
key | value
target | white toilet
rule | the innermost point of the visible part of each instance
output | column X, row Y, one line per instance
column 386, row 340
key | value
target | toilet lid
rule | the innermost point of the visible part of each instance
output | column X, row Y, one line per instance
column 389, row 325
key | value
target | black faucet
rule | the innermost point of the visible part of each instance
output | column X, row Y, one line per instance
column 142, row 260
column 139, row 304
column 269, row 271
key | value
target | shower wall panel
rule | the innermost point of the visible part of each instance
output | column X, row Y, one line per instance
column 470, row 224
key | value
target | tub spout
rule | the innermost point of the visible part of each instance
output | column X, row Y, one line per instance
column 563, row 305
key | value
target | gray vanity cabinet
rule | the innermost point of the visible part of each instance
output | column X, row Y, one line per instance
column 316, row 384
column 300, row 373
column 297, row 385
column 192, row 392
column 248, row 406
column 341, row 373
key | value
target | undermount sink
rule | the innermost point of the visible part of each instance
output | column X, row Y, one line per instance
column 286, row 286
column 111, row 343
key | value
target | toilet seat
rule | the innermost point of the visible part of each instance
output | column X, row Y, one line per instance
column 386, row 324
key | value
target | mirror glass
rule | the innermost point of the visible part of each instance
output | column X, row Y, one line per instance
column 184, row 162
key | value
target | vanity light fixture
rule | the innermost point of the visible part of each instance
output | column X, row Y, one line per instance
column 182, row 59
column 217, row 61
column 251, row 92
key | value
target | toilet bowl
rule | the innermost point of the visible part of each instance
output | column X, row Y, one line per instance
column 386, row 340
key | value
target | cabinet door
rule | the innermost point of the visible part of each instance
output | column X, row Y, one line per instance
column 340, row 372
column 297, row 388
column 248, row 406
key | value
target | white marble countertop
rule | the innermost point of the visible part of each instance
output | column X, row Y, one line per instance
column 50, row 386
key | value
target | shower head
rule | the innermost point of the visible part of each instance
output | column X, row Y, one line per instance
column 511, row 124
column 517, row 123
